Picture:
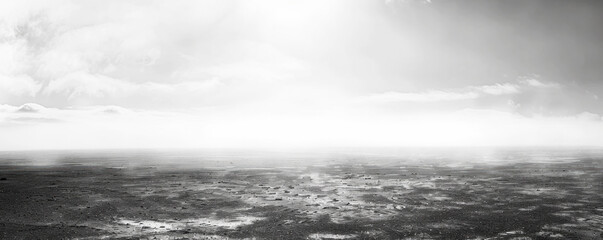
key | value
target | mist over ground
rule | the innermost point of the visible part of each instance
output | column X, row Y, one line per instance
column 245, row 158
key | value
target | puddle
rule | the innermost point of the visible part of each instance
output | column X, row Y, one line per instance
column 318, row 236
column 205, row 223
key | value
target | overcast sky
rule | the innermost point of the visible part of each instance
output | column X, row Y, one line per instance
column 196, row 74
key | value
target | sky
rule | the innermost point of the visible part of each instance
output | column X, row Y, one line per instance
column 300, row 74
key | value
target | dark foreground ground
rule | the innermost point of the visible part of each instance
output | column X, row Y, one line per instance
column 75, row 197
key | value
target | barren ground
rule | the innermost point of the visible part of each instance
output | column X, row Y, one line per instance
column 96, row 198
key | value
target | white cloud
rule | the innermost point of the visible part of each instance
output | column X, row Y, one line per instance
column 589, row 116
column 100, row 48
column 466, row 93
column 82, row 84
column 256, row 62
column 31, row 108
column 85, row 88
column 539, row 84
column 471, row 92
column 13, row 57
column 429, row 96
column 498, row 89
column 16, row 86
column 104, row 53
column 392, row 2
column 15, row 82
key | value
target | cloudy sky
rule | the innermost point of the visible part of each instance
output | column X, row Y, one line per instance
column 273, row 73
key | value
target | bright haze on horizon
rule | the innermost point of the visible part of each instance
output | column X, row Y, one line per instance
column 300, row 74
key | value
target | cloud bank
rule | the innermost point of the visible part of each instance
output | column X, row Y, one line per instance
column 116, row 127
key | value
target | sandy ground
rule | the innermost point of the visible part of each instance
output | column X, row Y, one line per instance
column 107, row 199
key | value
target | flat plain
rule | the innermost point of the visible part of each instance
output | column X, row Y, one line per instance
column 136, row 196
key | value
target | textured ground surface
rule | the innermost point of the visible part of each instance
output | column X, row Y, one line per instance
column 92, row 198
